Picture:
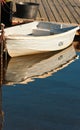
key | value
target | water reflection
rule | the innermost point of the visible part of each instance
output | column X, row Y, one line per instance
column 23, row 108
column 76, row 43
column 1, row 112
column 25, row 69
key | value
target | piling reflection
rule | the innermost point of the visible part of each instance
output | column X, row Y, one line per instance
column 26, row 69
column 76, row 43
column 1, row 112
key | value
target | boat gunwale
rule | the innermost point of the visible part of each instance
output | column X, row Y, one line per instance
column 32, row 37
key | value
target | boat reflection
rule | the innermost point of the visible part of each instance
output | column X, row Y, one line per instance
column 27, row 68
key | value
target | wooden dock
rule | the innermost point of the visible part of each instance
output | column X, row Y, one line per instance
column 64, row 11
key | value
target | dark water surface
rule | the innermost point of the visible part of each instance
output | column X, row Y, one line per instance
column 51, row 103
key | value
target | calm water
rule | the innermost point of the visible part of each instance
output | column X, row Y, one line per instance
column 51, row 103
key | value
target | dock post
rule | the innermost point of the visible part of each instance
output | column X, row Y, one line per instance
column 2, row 57
column 4, row 42
column 1, row 75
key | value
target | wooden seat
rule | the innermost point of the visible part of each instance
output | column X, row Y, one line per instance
column 40, row 32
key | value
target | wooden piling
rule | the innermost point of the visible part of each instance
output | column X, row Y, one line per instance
column 1, row 57
column 3, row 50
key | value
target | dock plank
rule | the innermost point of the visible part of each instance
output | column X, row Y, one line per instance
column 55, row 12
column 75, row 14
column 48, row 10
column 61, row 12
column 65, row 11
column 42, row 12
column 69, row 13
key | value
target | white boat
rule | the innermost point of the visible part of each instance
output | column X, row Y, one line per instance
column 25, row 69
column 38, row 37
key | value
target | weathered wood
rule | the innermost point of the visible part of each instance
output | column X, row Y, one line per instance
column 65, row 11
column 41, row 10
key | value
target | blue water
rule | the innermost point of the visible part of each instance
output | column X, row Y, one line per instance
column 52, row 103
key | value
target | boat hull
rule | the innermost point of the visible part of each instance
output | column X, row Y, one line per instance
column 23, row 42
column 18, row 47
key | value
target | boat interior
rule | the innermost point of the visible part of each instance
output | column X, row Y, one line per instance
column 38, row 29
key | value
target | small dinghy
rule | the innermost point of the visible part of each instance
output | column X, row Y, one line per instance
column 38, row 37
